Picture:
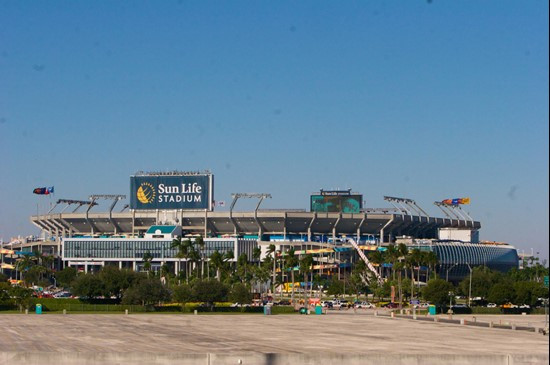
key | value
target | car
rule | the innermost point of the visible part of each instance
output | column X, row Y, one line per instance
column 459, row 306
column 391, row 305
column 364, row 305
column 239, row 305
column 283, row 302
column 491, row 305
column 63, row 294
column 525, row 306
column 326, row 304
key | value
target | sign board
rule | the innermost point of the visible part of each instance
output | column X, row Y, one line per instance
column 187, row 192
column 336, row 203
column 546, row 281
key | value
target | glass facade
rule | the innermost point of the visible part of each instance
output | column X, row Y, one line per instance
column 135, row 249
column 454, row 258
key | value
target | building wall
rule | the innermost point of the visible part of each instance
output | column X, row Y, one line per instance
column 454, row 258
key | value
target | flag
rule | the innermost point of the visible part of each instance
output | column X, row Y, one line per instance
column 456, row 201
column 221, row 203
column 44, row 191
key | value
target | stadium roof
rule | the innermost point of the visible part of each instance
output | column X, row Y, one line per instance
column 264, row 222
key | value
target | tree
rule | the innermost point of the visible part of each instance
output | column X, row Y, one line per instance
column 306, row 267
column 146, row 292
column 528, row 292
column 89, row 286
column 216, row 259
column 147, row 258
column 66, row 276
column 242, row 268
column 501, row 293
column 116, row 281
column 271, row 251
column 291, row 262
column 182, row 247
column 4, row 291
column 240, row 294
column 210, row 291
column 437, row 292
column 483, row 280
column 183, row 294
column 430, row 259
column 21, row 296
column 392, row 253
column 336, row 287
column 199, row 241
column 23, row 265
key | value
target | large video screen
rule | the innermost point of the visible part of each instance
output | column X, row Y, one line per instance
column 171, row 192
column 336, row 203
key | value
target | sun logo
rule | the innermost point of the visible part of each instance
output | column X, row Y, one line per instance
column 146, row 193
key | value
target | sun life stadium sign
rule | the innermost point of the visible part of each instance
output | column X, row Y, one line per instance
column 188, row 192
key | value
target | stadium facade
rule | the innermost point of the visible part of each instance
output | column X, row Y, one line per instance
column 88, row 238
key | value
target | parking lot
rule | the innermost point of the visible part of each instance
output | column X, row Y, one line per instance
column 340, row 332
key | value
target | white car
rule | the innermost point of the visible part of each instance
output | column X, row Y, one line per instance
column 491, row 305
column 525, row 306
column 364, row 305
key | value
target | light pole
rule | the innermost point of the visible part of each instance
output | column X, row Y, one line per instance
column 448, row 269
column 470, row 290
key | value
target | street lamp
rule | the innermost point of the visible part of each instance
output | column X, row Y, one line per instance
column 448, row 269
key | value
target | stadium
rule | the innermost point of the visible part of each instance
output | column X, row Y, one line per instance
column 337, row 229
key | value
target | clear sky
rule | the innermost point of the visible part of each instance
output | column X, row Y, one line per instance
column 420, row 99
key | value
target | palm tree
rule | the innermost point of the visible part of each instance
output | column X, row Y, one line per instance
column 291, row 262
column 183, row 247
column 147, row 258
column 194, row 258
column 433, row 261
column 256, row 254
column 199, row 241
column 271, row 251
column 216, row 259
column 377, row 258
column 306, row 264
column 23, row 265
column 392, row 253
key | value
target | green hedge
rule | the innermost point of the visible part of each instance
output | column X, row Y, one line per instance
column 485, row 310
column 75, row 305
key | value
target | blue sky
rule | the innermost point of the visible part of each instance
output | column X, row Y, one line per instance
column 425, row 100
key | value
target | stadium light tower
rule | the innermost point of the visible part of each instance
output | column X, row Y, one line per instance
column 406, row 205
column 115, row 198
column 237, row 196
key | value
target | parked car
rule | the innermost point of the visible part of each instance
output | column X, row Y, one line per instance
column 525, row 306
column 63, row 294
column 239, row 305
column 391, row 305
column 326, row 304
column 364, row 305
column 491, row 305
column 282, row 302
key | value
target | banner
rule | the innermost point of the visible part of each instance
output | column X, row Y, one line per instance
column 171, row 192
column 456, row 201
column 43, row 191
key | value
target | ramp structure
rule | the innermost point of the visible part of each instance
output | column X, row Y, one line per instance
column 366, row 260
